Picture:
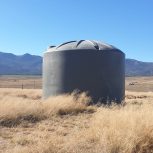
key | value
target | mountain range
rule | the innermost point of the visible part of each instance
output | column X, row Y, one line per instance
column 28, row 64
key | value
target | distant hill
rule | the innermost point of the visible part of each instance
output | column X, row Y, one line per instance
column 138, row 68
column 27, row 64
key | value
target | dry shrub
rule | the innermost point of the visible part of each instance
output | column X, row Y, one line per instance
column 116, row 129
column 111, row 129
column 144, row 142
column 14, row 110
column 121, row 130
column 68, row 104
column 34, row 94
column 138, row 95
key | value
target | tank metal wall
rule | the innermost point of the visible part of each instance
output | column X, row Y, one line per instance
column 101, row 73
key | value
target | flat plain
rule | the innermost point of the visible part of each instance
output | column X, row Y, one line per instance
column 68, row 124
column 20, row 81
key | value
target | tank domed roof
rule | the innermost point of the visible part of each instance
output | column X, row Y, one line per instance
column 82, row 44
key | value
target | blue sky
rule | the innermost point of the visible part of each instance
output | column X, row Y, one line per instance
column 33, row 25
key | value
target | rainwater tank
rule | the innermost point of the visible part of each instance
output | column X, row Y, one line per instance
column 87, row 66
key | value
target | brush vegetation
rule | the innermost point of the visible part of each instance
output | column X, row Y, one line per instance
column 69, row 124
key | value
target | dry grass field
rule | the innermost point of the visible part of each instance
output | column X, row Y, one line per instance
column 35, row 82
column 68, row 124
column 17, row 81
column 140, row 84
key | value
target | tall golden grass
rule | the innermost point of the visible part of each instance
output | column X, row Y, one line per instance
column 66, row 124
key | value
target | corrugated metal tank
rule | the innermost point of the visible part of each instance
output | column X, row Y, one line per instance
column 85, row 65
